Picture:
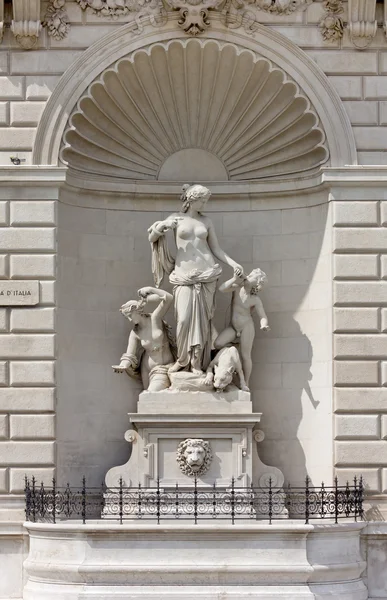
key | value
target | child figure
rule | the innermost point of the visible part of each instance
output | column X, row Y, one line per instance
column 245, row 298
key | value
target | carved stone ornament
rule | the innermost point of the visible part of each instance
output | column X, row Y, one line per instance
column 332, row 25
column 361, row 22
column 56, row 19
column 194, row 14
column 194, row 457
column 274, row 138
column 26, row 23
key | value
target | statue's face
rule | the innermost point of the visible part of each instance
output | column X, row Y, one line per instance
column 201, row 202
column 194, row 456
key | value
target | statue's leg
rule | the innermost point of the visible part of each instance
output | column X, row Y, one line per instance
column 246, row 346
column 227, row 336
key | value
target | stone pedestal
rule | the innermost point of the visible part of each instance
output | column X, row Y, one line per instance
column 225, row 421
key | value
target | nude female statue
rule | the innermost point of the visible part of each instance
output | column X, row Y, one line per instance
column 150, row 350
column 194, row 274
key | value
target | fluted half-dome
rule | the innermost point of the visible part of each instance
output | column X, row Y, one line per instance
column 237, row 107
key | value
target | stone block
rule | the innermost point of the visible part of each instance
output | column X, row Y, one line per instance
column 355, row 213
column 40, row 87
column 354, row 427
column 17, row 138
column 384, row 372
column 360, row 292
column 32, row 427
column 383, row 266
column 371, row 478
column 356, row 319
column 305, row 37
column 30, row 373
column 4, row 427
column 3, row 319
column 3, row 373
column 384, row 491
column 32, row 319
column 345, row 62
column 375, row 88
column 26, row 113
column 47, row 293
column 112, row 222
column 384, row 319
column 358, row 400
column 354, row 239
column 356, row 346
column 27, row 239
column 356, row 266
column 3, row 62
column 279, row 247
column 3, row 481
column 358, row 192
column 32, row 266
column 383, row 112
column 383, row 213
column 105, row 247
column 27, row 346
column 33, row 213
column 384, row 427
column 4, row 113
column 268, row 223
column 54, row 62
column 347, row 87
column 362, row 112
column 26, row 400
column 361, row 453
column 372, row 158
column 80, row 36
column 16, row 478
column 3, row 213
column 351, row 373
column 11, row 88
column 370, row 138
column 26, row 155
column 27, row 453
column 3, row 266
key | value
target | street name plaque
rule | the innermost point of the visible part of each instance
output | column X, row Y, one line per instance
column 19, row 293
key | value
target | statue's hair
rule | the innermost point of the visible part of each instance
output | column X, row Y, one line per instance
column 261, row 280
column 132, row 306
column 190, row 193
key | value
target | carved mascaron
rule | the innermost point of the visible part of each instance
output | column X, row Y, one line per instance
column 194, row 457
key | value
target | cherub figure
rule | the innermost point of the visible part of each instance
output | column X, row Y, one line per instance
column 151, row 350
column 245, row 298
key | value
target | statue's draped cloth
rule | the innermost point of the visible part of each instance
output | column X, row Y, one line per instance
column 194, row 295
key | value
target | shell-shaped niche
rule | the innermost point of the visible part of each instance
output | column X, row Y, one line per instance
column 235, row 106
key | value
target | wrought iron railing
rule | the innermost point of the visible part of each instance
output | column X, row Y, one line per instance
column 194, row 503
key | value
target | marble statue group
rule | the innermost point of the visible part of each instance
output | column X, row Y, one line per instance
column 198, row 358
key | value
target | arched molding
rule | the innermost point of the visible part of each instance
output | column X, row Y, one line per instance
column 265, row 42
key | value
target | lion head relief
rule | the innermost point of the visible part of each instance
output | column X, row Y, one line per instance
column 194, row 457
